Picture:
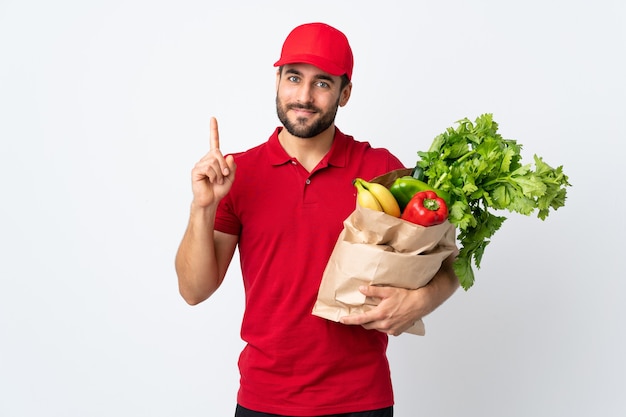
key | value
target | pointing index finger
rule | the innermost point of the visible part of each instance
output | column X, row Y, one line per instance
column 214, row 135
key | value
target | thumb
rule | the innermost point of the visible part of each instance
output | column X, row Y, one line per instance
column 231, row 166
column 372, row 291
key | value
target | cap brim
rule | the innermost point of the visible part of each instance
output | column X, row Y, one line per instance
column 321, row 63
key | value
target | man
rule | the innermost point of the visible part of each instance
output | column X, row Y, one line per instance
column 284, row 210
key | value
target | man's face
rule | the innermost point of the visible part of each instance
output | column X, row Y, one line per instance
column 307, row 99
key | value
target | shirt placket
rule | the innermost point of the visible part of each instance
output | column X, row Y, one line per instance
column 307, row 182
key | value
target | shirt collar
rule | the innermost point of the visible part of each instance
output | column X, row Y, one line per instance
column 336, row 156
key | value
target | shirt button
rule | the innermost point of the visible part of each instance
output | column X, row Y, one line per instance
column 308, row 181
column 294, row 163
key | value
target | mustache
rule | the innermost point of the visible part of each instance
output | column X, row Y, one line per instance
column 309, row 107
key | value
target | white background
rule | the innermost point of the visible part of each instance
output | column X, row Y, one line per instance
column 104, row 109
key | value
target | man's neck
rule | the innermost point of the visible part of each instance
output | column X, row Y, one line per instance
column 308, row 151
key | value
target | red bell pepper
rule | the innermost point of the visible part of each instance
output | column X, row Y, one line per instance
column 426, row 208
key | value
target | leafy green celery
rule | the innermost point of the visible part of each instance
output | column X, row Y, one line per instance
column 483, row 172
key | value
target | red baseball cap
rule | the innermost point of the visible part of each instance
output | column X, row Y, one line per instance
column 318, row 44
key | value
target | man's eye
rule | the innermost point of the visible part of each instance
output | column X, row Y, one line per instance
column 293, row 78
column 323, row 84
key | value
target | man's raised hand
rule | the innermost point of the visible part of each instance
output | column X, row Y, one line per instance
column 213, row 175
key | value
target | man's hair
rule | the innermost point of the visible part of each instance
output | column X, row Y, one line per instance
column 344, row 81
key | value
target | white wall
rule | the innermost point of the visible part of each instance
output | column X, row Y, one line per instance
column 104, row 109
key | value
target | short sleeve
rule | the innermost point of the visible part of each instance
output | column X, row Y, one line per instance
column 226, row 220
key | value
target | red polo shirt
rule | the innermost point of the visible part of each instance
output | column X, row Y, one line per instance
column 288, row 220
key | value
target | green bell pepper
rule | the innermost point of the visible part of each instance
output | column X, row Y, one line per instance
column 404, row 188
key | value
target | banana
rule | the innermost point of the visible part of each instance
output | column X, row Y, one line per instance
column 387, row 201
column 365, row 198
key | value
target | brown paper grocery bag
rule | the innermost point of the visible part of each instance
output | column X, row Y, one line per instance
column 375, row 248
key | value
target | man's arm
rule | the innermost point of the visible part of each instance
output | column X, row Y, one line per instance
column 400, row 308
column 204, row 254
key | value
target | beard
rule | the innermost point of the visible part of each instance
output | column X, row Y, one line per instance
column 299, row 127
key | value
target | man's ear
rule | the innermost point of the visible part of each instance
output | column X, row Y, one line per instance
column 345, row 95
